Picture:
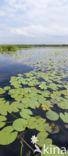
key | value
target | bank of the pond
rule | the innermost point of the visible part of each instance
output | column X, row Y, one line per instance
column 16, row 47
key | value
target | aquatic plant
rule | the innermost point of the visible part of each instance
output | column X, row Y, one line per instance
column 51, row 115
column 64, row 117
column 31, row 92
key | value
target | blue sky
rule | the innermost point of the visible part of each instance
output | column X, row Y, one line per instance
column 33, row 21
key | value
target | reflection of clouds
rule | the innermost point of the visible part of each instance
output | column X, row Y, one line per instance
column 3, row 77
column 35, row 57
column 43, row 55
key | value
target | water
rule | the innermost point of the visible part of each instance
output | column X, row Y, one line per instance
column 26, row 60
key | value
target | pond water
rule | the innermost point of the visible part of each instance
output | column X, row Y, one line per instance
column 12, row 63
column 43, row 75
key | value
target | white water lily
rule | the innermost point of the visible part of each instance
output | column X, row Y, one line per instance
column 34, row 139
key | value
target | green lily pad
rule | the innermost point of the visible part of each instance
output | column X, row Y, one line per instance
column 64, row 117
column 63, row 104
column 43, row 85
column 4, row 107
column 37, row 123
column 51, row 115
column 20, row 124
column 41, row 138
column 53, row 86
column 2, row 121
column 7, row 88
column 2, row 91
column 26, row 113
column 7, row 136
column 3, row 118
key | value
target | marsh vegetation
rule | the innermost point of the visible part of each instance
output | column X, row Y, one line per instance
column 4, row 48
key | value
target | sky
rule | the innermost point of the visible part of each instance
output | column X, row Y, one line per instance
column 33, row 21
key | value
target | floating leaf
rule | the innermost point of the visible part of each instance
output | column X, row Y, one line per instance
column 25, row 113
column 64, row 117
column 2, row 121
column 7, row 136
column 51, row 115
column 63, row 104
column 4, row 107
column 53, row 86
column 7, row 88
column 20, row 124
column 2, row 124
column 3, row 118
column 41, row 138
column 2, row 91
column 43, row 85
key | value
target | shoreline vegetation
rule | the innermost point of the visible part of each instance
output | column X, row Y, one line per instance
column 16, row 47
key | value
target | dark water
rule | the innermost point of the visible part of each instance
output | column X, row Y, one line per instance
column 22, row 61
column 10, row 68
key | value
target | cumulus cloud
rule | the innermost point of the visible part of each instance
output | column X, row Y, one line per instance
column 34, row 30
column 36, row 19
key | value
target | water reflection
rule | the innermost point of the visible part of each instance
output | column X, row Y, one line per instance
column 24, row 60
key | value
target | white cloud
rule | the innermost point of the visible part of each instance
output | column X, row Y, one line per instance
column 34, row 30
column 2, row 13
column 31, row 30
column 17, row 4
column 35, row 18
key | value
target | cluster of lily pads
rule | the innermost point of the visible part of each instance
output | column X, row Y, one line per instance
column 28, row 93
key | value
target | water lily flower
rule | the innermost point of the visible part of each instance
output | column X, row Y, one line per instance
column 34, row 139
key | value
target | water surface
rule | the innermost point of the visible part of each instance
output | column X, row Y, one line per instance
column 26, row 60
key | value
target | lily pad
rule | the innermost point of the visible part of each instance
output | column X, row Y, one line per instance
column 51, row 115
column 43, row 85
column 64, row 117
column 41, row 138
column 7, row 136
column 20, row 124
column 26, row 113
column 2, row 91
